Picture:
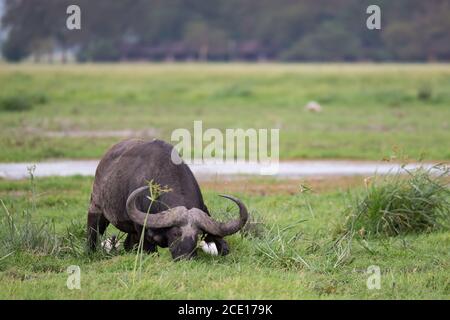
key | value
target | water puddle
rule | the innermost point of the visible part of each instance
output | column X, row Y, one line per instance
column 286, row 169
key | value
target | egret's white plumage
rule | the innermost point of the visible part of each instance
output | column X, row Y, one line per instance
column 209, row 248
column 110, row 244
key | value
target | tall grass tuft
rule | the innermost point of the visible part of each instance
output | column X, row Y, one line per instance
column 289, row 248
column 399, row 204
column 21, row 233
column 281, row 247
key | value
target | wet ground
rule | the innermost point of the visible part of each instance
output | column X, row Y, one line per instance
column 212, row 171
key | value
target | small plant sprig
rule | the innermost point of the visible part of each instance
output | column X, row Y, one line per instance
column 31, row 170
column 305, row 191
column 155, row 190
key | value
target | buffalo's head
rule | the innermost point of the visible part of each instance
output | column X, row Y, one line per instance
column 179, row 227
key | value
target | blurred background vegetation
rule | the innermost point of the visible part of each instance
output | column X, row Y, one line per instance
column 245, row 30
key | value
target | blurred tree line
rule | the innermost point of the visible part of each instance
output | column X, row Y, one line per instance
column 288, row 30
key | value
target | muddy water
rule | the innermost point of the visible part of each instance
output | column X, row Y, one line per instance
column 286, row 169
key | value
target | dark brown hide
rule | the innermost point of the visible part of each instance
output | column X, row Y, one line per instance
column 130, row 165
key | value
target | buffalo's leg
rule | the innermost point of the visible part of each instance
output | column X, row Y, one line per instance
column 96, row 224
column 221, row 244
column 149, row 246
column 132, row 241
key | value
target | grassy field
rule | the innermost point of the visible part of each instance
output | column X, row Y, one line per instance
column 304, row 250
column 369, row 111
column 296, row 257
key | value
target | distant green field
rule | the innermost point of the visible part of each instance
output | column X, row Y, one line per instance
column 369, row 111
column 297, row 260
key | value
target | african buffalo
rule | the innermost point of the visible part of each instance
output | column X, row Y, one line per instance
column 176, row 219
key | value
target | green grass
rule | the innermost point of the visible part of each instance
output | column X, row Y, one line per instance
column 300, row 249
column 369, row 111
column 300, row 254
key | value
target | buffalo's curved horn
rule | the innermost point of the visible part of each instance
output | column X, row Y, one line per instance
column 165, row 219
column 222, row 229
